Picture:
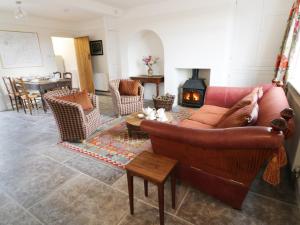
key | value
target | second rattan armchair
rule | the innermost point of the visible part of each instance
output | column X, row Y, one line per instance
column 123, row 104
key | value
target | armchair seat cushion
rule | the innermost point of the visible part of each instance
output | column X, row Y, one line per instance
column 209, row 115
column 129, row 99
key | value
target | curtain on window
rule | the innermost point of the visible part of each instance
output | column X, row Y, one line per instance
column 285, row 57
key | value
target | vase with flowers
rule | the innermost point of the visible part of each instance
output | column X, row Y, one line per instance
column 150, row 61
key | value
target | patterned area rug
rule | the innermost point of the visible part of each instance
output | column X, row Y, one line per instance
column 111, row 142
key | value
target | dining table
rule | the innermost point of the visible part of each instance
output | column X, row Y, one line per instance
column 45, row 85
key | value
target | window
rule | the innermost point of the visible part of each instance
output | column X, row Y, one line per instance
column 294, row 68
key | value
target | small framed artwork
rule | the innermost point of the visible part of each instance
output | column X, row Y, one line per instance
column 96, row 47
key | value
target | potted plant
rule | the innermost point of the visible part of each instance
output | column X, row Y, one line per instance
column 150, row 61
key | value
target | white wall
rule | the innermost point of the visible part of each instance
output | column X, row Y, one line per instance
column 143, row 44
column 258, row 32
column 113, row 48
column 45, row 29
column 238, row 40
column 197, row 38
column 65, row 48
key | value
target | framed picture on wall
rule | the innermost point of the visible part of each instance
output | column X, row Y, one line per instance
column 96, row 47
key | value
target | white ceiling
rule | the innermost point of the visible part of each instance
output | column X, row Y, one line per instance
column 127, row 4
column 73, row 10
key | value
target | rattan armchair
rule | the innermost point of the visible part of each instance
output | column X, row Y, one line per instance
column 74, row 124
column 124, row 105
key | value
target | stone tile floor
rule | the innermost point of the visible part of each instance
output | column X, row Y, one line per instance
column 42, row 183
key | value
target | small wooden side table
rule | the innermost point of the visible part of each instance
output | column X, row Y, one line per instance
column 156, row 169
column 155, row 79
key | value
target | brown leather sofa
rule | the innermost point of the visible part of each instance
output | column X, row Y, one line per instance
column 223, row 162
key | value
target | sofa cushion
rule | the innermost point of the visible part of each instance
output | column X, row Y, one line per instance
column 213, row 109
column 228, row 96
column 129, row 87
column 194, row 124
column 242, row 117
column 208, row 114
column 251, row 98
column 80, row 98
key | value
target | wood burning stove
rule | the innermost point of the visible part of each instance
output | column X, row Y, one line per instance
column 193, row 91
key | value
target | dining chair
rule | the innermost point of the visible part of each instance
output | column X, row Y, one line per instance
column 13, row 95
column 57, row 72
column 28, row 100
column 67, row 75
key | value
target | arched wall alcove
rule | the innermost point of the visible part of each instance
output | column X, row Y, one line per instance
column 141, row 44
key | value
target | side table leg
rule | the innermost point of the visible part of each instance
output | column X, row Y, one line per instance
column 173, row 188
column 130, row 191
column 157, row 89
column 161, row 203
column 146, row 187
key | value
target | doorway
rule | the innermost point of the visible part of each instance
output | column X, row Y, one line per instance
column 65, row 57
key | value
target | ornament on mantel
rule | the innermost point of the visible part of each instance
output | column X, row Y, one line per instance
column 150, row 61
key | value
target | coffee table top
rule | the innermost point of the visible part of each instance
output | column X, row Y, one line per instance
column 133, row 119
column 153, row 167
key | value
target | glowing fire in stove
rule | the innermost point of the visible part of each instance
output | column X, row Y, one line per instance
column 191, row 96
column 196, row 96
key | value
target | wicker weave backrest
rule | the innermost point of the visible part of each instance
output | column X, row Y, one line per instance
column 114, row 84
column 58, row 93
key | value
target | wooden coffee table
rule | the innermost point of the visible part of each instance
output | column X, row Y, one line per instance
column 133, row 124
column 155, row 169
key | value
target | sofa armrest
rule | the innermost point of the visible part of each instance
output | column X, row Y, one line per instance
column 230, row 138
